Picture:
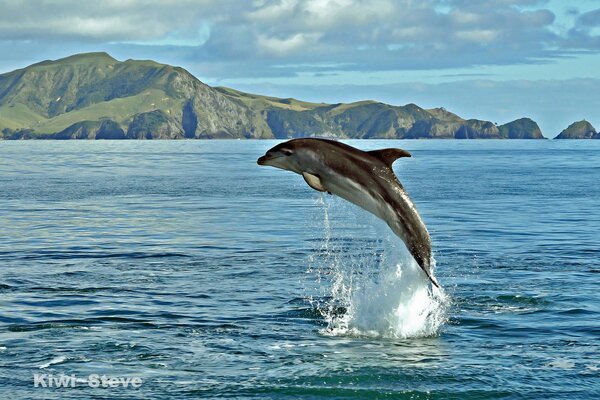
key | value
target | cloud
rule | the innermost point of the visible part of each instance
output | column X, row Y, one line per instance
column 590, row 18
column 102, row 21
column 255, row 38
column 584, row 35
column 291, row 44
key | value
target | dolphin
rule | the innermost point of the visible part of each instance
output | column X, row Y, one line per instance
column 364, row 178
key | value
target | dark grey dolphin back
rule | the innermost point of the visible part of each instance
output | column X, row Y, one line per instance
column 388, row 156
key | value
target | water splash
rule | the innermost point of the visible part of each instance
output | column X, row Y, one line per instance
column 373, row 285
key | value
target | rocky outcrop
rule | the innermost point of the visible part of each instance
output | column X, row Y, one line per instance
column 579, row 130
column 18, row 134
column 104, row 129
column 453, row 129
column 154, row 125
column 524, row 128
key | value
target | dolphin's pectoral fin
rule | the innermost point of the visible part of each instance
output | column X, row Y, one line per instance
column 388, row 156
column 314, row 181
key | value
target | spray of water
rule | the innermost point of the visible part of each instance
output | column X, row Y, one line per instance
column 371, row 286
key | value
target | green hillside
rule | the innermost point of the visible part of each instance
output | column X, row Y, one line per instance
column 524, row 128
column 93, row 96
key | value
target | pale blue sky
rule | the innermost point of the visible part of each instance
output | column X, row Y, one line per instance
column 489, row 59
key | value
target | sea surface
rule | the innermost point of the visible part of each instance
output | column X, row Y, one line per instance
column 188, row 266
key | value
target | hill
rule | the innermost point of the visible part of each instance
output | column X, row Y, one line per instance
column 579, row 130
column 94, row 96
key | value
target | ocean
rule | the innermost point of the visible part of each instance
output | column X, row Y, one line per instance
column 182, row 269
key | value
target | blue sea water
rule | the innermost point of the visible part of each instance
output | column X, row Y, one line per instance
column 187, row 265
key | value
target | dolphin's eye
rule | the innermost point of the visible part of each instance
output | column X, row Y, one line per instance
column 287, row 152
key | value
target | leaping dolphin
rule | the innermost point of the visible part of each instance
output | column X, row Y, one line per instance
column 364, row 178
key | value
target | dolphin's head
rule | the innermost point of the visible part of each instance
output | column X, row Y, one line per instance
column 289, row 155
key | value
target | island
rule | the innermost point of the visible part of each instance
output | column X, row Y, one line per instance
column 579, row 130
column 94, row 96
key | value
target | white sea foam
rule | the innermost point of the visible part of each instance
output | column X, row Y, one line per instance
column 54, row 361
column 560, row 363
column 376, row 291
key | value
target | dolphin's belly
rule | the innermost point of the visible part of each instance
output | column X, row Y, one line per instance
column 359, row 195
column 387, row 201
column 391, row 204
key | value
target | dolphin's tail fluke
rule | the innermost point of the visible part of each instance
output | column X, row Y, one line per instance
column 423, row 258
column 433, row 280
column 427, row 269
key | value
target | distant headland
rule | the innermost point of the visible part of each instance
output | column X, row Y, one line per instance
column 94, row 96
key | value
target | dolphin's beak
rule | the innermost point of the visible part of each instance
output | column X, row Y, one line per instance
column 264, row 160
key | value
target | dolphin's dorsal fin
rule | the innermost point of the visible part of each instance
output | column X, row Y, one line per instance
column 313, row 181
column 388, row 156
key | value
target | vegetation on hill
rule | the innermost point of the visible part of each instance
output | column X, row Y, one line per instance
column 579, row 130
column 524, row 128
column 94, row 96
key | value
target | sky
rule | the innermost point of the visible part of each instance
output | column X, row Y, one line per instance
column 496, row 60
